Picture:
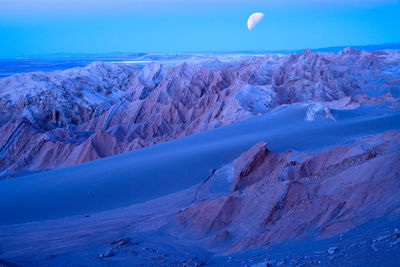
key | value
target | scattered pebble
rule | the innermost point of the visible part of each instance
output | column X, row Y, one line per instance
column 397, row 233
column 374, row 248
column 119, row 242
column 108, row 253
column 270, row 263
column 332, row 250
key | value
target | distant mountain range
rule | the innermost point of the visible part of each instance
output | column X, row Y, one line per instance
column 120, row 55
column 333, row 49
column 61, row 61
column 336, row 49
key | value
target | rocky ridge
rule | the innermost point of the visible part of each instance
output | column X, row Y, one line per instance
column 269, row 198
column 57, row 119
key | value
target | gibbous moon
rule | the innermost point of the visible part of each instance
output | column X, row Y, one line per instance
column 254, row 19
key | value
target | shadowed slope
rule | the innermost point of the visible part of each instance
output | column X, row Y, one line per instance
column 257, row 201
column 166, row 168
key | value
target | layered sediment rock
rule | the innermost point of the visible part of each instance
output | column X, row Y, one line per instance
column 270, row 197
column 62, row 118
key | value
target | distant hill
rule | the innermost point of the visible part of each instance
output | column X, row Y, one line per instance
column 336, row 49
column 333, row 49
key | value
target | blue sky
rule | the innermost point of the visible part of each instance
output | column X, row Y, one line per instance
column 31, row 27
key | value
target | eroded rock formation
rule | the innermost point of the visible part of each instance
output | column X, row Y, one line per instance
column 269, row 197
column 62, row 118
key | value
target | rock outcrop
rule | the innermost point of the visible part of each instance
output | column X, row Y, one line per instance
column 319, row 207
column 292, row 195
column 56, row 119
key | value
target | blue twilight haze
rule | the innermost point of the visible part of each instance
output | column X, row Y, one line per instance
column 41, row 27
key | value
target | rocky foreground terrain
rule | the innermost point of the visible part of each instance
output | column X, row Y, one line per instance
column 55, row 119
column 271, row 209
column 275, row 160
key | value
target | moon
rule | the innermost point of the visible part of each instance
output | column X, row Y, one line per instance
column 254, row 19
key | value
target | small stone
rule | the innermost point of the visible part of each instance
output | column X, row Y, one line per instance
column 86, row 216
column 108, row 253
column 269, row 263
column 332, row 250
column 51, row 256
column 374, row 248
column 119, row 242
column 341, row 237
column 230, row 258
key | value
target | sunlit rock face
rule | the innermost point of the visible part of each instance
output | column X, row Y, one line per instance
column 56, row 119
